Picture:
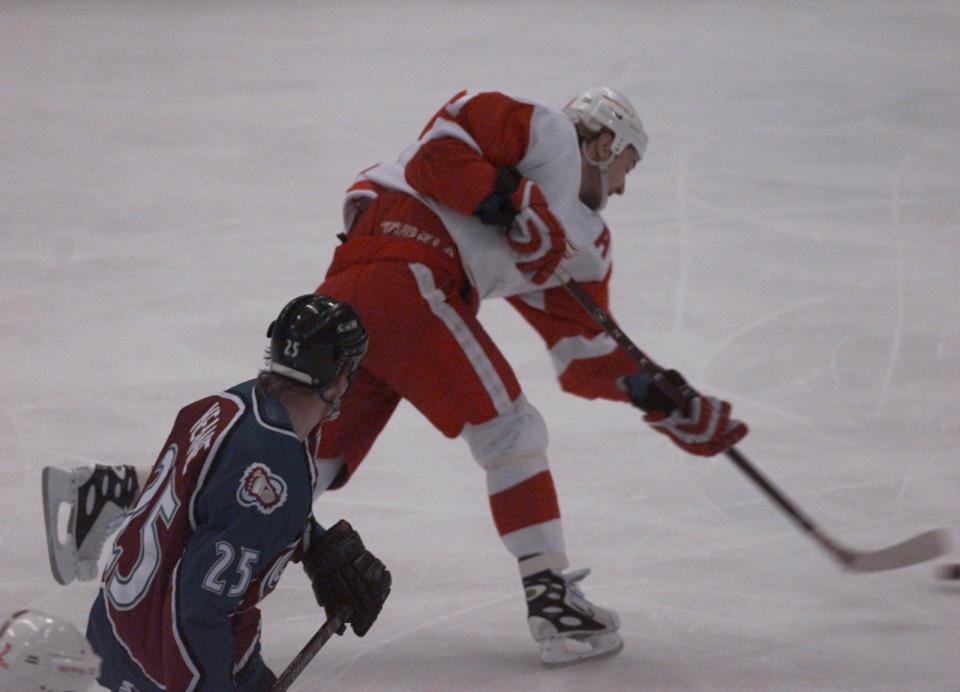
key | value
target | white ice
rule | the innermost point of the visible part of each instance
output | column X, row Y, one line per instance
column 171, row 173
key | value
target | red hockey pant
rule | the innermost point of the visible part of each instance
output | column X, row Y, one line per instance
column 427, row 347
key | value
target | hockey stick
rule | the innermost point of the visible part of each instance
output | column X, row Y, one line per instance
column 920, row 548
column 302, row 659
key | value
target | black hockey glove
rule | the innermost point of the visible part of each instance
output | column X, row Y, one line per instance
column 647, row 396
column 345, row 573
column 496, row 209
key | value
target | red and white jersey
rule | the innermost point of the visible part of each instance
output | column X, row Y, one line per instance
column 452, row 166
column 450, row 169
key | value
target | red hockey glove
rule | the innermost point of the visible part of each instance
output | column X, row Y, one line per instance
column 705, row 430
column 535, row 233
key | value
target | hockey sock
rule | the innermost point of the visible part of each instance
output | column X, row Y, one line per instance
column 523, row 501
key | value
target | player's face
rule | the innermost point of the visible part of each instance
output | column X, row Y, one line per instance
column 591, row 184
column 333, row 394
column 617, row 171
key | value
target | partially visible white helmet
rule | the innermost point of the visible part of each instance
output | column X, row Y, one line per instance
column 40, row 652
column 602, row 107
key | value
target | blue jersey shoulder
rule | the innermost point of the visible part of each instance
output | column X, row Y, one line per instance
column 263, row 476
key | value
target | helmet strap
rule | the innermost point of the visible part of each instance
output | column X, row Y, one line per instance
column 334, row 403
column 601, row 167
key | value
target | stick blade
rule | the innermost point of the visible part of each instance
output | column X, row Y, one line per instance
column 921, row 548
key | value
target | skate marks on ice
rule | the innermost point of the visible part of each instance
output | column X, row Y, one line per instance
column 894, row 309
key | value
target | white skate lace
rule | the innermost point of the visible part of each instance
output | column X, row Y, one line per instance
column 573, row 579
column 114, row 524
column 108, row 530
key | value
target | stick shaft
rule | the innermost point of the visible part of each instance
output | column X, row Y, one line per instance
column 918, row 549
column 312, row 647
column 648, row 365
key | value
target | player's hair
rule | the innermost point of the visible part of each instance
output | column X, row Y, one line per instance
column 585, row 135
column 278, row 386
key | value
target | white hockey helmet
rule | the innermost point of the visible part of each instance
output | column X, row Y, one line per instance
column 602, row 107
column 41, row 652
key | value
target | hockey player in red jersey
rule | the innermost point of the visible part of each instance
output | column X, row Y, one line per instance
column 495, row 193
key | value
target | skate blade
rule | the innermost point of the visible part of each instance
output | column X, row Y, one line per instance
column 57, row 486
column 559, row 652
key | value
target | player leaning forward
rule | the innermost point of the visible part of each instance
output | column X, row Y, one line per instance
column 224, row 509
column 495, row 193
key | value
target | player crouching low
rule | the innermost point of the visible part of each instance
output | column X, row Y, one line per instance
column 224, row 509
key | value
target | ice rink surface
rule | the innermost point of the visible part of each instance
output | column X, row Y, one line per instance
column 172, row 173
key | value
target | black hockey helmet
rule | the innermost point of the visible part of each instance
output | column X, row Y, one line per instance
column 314, row 339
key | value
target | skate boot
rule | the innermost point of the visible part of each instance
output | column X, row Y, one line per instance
column 569, row 628
column 98, row 497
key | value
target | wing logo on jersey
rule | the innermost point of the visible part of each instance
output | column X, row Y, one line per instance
column 262, row 489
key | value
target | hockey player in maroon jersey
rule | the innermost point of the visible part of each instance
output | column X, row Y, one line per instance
column 225, row 508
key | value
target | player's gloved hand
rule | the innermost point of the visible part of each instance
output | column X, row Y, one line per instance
column 518, row 205
column 706, row 428
column 345, row 573
column 647, row 396
column 535, row 233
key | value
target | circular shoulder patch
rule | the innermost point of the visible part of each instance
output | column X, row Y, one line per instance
column 261, row 488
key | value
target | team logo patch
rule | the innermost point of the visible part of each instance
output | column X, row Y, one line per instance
column 262, row 489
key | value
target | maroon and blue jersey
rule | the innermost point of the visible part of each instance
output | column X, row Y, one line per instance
column 225, row 508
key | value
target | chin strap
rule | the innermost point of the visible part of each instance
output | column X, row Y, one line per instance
column 334, row 405
column 601, row 167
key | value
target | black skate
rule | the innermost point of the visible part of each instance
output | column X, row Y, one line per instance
column 98, row 497
column 568, row 627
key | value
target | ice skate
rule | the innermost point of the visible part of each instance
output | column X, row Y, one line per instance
column 98, row 497
column 568, row 627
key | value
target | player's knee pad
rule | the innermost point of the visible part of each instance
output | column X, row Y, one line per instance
column 520, row 431
column 509, row 470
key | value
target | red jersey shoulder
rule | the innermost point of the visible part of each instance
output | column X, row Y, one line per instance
column 499, row 124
